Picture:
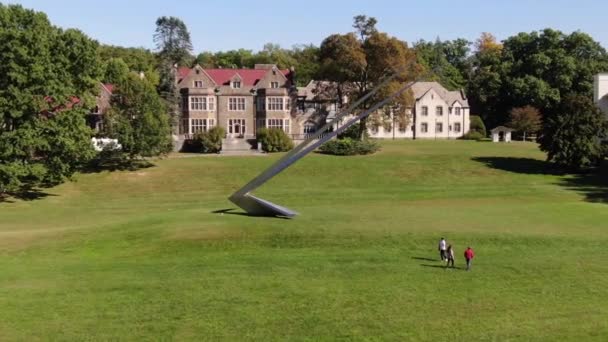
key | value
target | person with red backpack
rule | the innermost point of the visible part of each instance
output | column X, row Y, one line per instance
column 469, row 255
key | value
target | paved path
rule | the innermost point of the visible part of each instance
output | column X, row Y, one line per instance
column 252, row 153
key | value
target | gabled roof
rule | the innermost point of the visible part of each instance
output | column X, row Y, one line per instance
column 183, row 72
column 319, row 91
column 503, row 129
column 451, row 97
column 249, row 77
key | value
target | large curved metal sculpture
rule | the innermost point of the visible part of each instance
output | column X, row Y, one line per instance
column 256, row 206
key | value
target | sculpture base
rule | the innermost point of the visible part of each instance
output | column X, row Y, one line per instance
column 259, row 207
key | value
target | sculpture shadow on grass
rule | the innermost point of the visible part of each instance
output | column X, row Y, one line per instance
column 592, row 184
column 233, row 211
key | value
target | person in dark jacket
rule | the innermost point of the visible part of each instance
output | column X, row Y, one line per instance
column 450, row 255
column 468, row 256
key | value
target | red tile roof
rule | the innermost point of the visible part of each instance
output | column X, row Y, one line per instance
column 223, row 76
column 56, row 108
column 182, row 72
column 109, row 87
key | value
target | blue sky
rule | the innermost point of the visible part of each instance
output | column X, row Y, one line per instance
column 223, row 25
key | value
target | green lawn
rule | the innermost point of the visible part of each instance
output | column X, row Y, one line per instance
column 142, row 256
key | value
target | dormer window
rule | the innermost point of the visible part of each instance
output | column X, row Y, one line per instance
column 274, row 85
column 198, row 84
column 236, row 84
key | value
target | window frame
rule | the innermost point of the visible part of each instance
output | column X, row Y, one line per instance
column 275, row 103
column 306, row 127
column 424, row 111
column 278, row 123
column 238, row 101
column 424, row 127
column 457, row 127
column 198, row 125
column 197, row 103
column 202, row 103
column 439, row 127
column 439, row 111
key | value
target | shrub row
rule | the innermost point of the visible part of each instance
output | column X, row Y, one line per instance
column 274, row 140
column 206, row 142
column 349, row 147
column 473, row 135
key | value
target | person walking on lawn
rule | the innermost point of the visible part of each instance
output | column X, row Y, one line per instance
column 450, row 256
column 469, row 255
column 442, row 249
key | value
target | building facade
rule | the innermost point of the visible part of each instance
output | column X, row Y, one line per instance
column 437, row 114
column 245, row 100
column 600, row 91
column 102, row 105
column 239, row 100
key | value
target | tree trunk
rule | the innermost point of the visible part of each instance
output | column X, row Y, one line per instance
column 362, row 128
column 524, row 136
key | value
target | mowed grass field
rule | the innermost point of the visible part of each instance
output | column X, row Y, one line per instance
column 151, row 255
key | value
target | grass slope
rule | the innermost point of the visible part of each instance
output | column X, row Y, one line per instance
column 142, row 255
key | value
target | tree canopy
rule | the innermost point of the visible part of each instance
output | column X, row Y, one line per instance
column 137, row 60
column 525, row 120
column 138, row 119
column 172, row 40
column 572, row 135
column 537, row 69
column 358, row 61
column 49, row 77
column 446, row 62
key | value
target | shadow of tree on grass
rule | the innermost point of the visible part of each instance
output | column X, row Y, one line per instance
column 112, row 165
column 520, row 165
column 25, row 194
column 31, row 192
column 593, row 185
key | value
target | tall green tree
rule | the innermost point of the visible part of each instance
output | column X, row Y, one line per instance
column 358, row 61
column 306, row 62
column 173, row 42
column 537, row 69
column 49, row 77
column 275, row 54
column 446, row 62
column 525, row 120
column 115, row 70
column 138, row 119
column 137, row 59
column 485, row 85
column 572, row 135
